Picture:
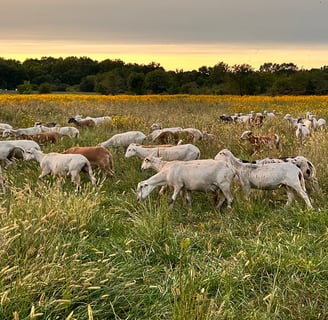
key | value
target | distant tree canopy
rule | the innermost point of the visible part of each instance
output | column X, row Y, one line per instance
column 116, row 77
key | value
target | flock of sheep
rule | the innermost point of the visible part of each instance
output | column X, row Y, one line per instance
column 178, row 166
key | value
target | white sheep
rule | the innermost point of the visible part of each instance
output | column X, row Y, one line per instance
column 4, row 126
column 269, row 176
column 15, row 132
column 124, row 139
column 302, row 132
column 199, row 175
column 307, row 167
column 58, row 164
column 8, row 152
column 180, row 152
column 293, row 121
column 100, row 120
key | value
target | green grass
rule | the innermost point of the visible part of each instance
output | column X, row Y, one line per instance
column 100, row 254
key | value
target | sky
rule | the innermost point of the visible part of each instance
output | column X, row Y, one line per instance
column 177, row 34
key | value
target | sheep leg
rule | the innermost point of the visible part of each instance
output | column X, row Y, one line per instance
column 162, row 190
column 175, row 194
column 187, row 197
column 304, row 196
column 290, row 196
column 75, row 178
column 44, row 173
column 225, row 195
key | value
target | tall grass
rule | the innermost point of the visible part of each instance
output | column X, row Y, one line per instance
column 100, row 254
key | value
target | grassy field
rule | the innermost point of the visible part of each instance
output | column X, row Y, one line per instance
column 101, row 255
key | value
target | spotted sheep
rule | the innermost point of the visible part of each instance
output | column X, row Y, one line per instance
column 83, row 123
column 269, row 176
column 259, row 142
column 307, row 167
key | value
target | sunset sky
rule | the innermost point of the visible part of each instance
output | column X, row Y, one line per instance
column 178, row 34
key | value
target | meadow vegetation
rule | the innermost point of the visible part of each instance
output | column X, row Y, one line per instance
column 99, row 254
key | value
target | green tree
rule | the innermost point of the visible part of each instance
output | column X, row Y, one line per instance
column 25, row 88
column 110, row 83
column 45, row 88
column 88, row 84
column 136, row 82
column 157, row 81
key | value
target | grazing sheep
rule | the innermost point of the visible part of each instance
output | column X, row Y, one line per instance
column 100, row 120
column 156, row 132
column 258, row 142
column 42, row 137
column 99, row 157
column 269, row 115
column 8, row 151
column 17, row 132
column 124, row 139
column 180, row 152
column 58, row 164
column 83, row 123
column 199, row 175
column 71, row 132
column 269, row 176
column 306, row 166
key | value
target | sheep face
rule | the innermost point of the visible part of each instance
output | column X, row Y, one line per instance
column 28, row 155
column 130, row 151
column 143, row 190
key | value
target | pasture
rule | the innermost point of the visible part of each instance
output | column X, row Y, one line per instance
column 100, row 254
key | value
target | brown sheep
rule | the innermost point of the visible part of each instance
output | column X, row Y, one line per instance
column 42, row 137
column 258, row 142
column 83, row 123
column 99, row 157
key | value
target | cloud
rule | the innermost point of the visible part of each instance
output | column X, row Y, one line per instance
column 169, row 21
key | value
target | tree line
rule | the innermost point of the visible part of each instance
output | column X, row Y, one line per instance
column 82, row 74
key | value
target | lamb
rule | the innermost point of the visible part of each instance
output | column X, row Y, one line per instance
column 58, row 164
column 259, row 142
column 200, row 175
column 180, row 152
column 99, row 157
column 83, row 123
column 124, row 139
column 267, row 177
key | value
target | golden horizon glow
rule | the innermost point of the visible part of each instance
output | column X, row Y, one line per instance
column 172, row 56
